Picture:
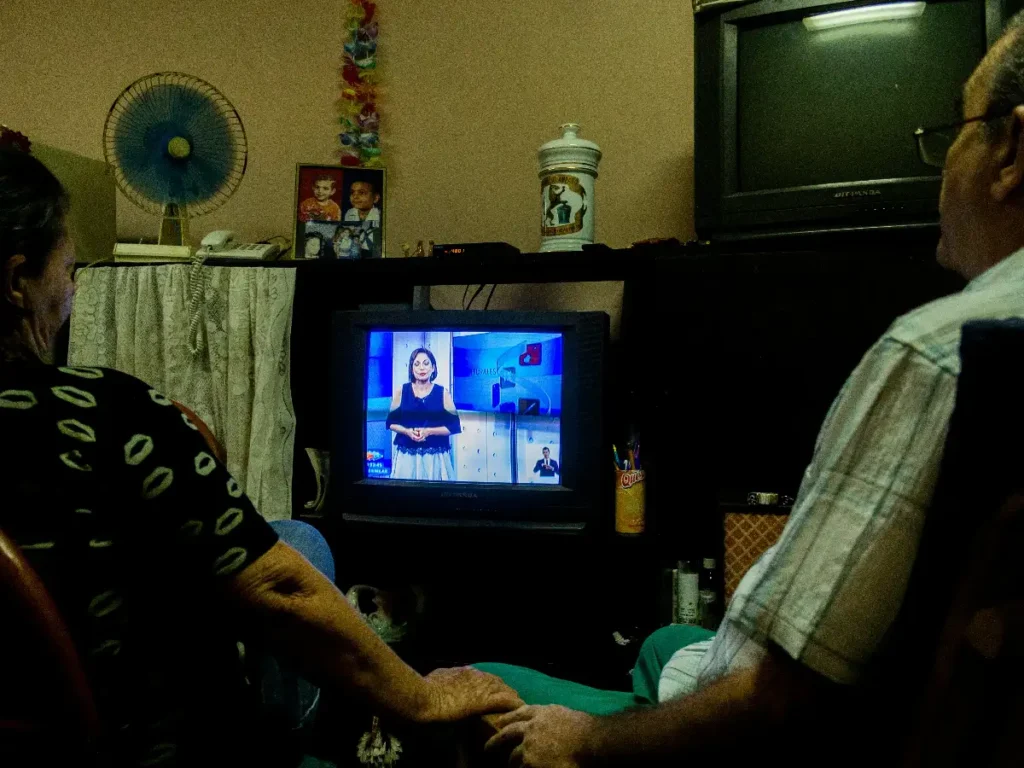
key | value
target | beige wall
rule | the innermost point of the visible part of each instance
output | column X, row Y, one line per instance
column 471, row 89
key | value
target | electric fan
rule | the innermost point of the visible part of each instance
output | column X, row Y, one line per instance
column 177, row 148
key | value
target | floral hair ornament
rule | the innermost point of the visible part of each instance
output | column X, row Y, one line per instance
column 12, row 139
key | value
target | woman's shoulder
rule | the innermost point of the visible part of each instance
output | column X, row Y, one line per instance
column 85, row 386
column 83, row 377
column 123, row 389
column 110, row 377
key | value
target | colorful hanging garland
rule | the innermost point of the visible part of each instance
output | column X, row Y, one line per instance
column 360, row 123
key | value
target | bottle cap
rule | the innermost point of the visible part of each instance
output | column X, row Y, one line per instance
column 709, row 563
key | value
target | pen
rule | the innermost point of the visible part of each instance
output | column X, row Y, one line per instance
column 615, row 452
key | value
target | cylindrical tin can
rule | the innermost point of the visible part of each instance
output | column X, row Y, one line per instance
column 630, row 506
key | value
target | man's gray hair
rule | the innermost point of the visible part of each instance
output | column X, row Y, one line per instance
column 1007, row 88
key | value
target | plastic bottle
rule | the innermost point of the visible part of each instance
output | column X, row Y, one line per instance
column 710, row 605
column 687, row 594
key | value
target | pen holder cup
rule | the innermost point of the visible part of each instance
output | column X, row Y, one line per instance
column 630, row 502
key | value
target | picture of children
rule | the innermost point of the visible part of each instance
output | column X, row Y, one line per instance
column 364, row 212
column 345, row 206
column 321, row 206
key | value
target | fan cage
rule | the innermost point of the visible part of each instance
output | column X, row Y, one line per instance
column 119, row 117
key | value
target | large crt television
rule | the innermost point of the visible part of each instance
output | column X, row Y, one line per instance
column 803, row 126
column 470, row 418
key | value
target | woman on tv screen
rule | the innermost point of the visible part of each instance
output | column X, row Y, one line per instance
column 423, row 418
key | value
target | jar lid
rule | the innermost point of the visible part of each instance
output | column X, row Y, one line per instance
column 570, row 149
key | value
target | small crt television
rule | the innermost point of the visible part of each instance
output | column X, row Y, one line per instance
column 489, row 419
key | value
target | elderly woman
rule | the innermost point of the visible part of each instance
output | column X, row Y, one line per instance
column 154, row 555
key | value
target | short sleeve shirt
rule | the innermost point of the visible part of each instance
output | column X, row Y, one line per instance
column 829, row 589
column 115, row 499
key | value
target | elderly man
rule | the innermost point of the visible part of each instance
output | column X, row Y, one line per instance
column 813, row 611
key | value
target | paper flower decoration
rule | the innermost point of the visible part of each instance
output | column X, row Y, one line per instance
column 360, row 123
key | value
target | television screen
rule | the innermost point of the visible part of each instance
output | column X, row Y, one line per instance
column 804, row 120
column 841, row 105
column 464, row 406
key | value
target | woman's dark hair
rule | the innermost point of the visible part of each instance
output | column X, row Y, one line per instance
column 429, row 354
column 32, row 209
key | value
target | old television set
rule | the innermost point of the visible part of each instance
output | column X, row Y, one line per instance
column 490, row 419
column 804, row 120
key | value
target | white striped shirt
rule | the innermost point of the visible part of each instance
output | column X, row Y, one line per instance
column 831, row 586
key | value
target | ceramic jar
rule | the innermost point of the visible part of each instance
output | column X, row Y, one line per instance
column 568, row 168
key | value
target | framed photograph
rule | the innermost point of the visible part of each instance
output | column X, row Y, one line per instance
column 339, row 212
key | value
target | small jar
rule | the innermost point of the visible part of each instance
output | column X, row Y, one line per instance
column 568, row 168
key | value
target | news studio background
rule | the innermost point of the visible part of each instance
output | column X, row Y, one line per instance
column 506, row 386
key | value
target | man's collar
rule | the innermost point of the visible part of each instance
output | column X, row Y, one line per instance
column 1009, row 267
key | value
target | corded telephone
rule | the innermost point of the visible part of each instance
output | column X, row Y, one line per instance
column 223, row 245
column 218, row 244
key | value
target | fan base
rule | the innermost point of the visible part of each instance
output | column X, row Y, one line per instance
column 174, row 225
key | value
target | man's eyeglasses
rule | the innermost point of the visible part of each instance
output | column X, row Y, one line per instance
column 933, row 143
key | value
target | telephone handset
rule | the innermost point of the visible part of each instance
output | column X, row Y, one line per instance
column 219, row 240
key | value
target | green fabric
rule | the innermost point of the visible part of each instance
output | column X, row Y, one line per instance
column 657, row 649
column 308, row 761
column 537, row 688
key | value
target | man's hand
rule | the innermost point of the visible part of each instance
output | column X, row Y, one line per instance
column 543, row 737
column 455, row 694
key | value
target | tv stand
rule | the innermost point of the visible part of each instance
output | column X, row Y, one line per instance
column 729, row 356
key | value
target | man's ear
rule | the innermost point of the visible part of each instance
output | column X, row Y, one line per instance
column 11, row 288
column 1011, row 172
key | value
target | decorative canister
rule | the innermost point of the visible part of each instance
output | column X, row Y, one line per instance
column 630, row 507
column 568, row 168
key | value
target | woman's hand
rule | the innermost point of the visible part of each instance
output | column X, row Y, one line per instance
column 413, row 434
column 455, row 694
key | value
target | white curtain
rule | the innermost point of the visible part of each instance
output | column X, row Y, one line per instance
column 136, row 319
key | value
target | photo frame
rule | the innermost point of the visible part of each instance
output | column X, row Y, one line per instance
column 339, row 212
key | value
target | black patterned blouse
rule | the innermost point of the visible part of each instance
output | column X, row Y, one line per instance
column 114, row 497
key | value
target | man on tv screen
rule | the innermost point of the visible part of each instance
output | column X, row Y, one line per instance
column 547, row 467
